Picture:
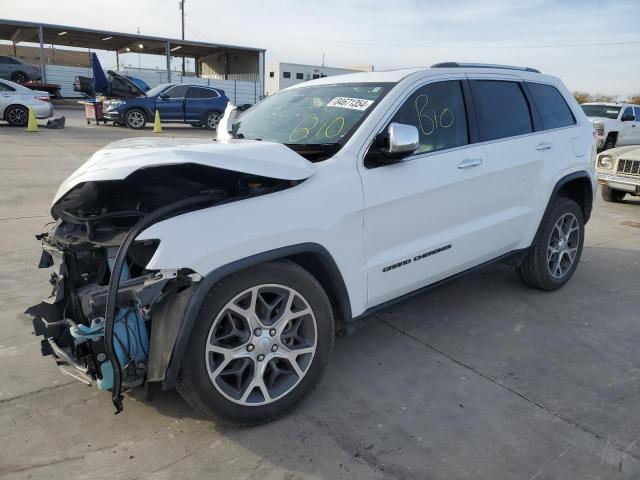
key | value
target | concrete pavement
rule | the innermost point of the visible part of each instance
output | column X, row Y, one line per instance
column 482, row 379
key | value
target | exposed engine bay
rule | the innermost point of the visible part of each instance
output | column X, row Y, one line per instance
column 105, row 314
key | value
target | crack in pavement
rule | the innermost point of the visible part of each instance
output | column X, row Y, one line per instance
column 35, row 392
column 557, row 415
column 24, row 217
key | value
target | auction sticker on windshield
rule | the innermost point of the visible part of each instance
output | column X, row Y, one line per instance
column 351, row 103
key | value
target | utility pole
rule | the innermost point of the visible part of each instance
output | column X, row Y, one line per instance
column 182, row 12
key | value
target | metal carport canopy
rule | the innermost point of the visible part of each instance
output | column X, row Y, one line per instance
column 19, row 31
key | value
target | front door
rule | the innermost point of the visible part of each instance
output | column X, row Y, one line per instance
column 422, row 214
column 6, row 97
column 629, row 129
column 170, row 103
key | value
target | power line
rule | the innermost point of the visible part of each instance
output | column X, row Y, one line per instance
column 436, row 46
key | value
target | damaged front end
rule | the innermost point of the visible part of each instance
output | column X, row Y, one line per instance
column 110, row 320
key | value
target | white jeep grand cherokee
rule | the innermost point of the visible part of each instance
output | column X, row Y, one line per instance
column 225, row 268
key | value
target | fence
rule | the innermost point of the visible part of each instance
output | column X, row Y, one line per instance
column 238, row 91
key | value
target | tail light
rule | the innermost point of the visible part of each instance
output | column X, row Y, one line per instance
column 43, row 98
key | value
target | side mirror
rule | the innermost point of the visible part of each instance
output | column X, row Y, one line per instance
column 628, row 117
column 401, row 141
column 164, row 96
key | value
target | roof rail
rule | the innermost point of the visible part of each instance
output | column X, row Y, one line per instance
column 482, row 65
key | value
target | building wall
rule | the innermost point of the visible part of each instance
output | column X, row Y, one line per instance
column 52, row 56
column 230, row 66
column 276, row 74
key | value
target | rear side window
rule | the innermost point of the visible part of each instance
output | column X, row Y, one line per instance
column 503, row 110
column 552, row 107
column 637, row 109
column 198, row 92
column 437, row 111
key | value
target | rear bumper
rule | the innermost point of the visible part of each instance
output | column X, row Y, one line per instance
column 43, row 110
column 619, row 182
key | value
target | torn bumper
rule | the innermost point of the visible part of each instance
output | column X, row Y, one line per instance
column 71, row 321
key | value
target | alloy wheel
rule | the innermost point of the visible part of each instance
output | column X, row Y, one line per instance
column 17, row 116
column 213, row 119
column 135, row 119
column 261, row 344
column 563, row 245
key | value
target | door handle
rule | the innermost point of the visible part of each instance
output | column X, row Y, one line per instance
column 470, row 162
column 544, row 146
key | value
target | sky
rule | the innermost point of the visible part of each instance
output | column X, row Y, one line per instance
column 557, row 37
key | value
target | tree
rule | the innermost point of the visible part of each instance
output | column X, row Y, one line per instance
column 581, row 97
column 634, row 98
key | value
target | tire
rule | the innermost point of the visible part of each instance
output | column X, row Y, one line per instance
column 610, row 142
column 612, row 195
column 211, row 120
column 196, row 125
column 235, row 398
column 543, row 269
column 17, row 116
column 19, row 77
column 135, row 119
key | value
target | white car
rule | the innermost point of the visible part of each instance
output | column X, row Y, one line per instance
column 15, row 101
column 618, row 172
column 226, row 267
column 616, row 124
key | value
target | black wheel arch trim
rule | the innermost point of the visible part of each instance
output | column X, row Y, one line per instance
column 588, row 200
column 202, row 288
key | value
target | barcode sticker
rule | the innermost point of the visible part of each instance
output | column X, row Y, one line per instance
column 350, row 103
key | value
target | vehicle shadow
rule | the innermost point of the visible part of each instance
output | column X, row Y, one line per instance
column 476, row 362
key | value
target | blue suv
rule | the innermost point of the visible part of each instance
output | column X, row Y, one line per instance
column 177, row 103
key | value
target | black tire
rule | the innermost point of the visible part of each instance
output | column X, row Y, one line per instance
column 211, row 120
column 610, row 142
column 17, row 116
column 135, row 119
column 612, row 195
column 535, row 270
column 19, row 77
column 194, row 383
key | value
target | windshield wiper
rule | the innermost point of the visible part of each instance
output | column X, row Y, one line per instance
column 315, row 152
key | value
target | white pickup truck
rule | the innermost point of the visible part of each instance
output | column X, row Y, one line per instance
column 617, row 124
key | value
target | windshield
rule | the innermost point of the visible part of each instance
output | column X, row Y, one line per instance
column 314, row 115
column 158, row 89
column 605, row 111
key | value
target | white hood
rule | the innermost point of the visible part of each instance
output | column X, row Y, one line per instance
column 120, row 159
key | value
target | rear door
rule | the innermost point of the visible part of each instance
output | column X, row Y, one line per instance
column 517, row 155
column 422, row 214
column 170, row 103
column 199, row 101
column 6, row 97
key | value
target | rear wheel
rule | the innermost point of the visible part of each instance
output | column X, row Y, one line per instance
column 135, row 119
column 611, row 195
column 19, row 77
column 556, row 251
column 212, row 119
column 16, row 116
column 261, row 343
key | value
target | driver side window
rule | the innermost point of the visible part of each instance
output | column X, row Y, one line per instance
column 437, row 110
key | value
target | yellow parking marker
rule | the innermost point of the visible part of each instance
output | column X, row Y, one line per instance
column 157, row 126
column 32, row 126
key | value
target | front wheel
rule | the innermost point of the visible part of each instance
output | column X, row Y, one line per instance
column 556, row 250
column 135, row 119
column 260, row 345
column 612, row 195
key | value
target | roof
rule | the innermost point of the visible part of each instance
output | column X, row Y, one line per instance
column 395, row 76
column 21, row 31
